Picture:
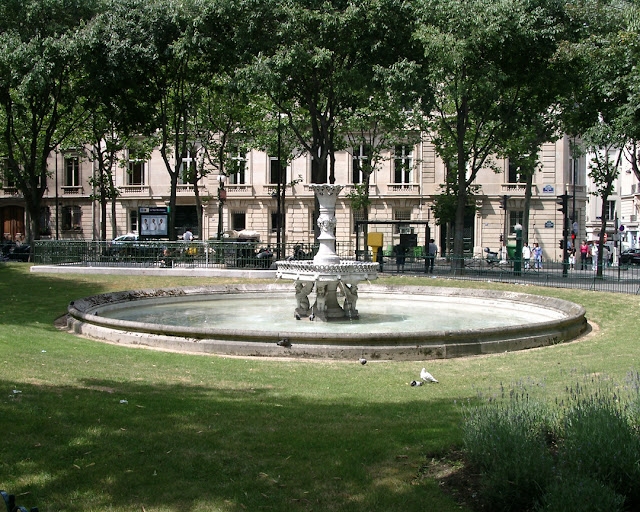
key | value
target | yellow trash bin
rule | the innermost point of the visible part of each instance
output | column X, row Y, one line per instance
column 374, row 240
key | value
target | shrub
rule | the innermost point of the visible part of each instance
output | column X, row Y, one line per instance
column 508, row 445
column 531, row 453
column 599, row 441
column 579, row 493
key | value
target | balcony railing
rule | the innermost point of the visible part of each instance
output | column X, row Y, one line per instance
column 239, row 189
column 71, row 190
column 134, row 190
column 10, row 192
column 514, row 188
column 184, row 187
column 412, row 188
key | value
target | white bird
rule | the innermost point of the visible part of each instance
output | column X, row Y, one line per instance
column 426, row 376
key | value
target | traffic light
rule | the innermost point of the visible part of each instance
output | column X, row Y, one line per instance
column 561, row 244
column 503, row 202
column 563, row 201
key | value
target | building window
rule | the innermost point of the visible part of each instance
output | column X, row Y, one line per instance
column 135, row 172
column 319, row 176
column 513, row 172
column 238, row 221
column 45, row 221
column 71, row 218
column 575, row 171
column 275, row 222
column 401, row 214
column 7, row 179
column 360, row 159
column 611, row 210
column 72, row 171
column 274, row 171
column 403, row 164
column 515, row 217
column 133, row 221
column 358, row 215
column 187, row 170
column 237, row 168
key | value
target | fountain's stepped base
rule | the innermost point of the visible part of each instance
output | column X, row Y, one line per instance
column 84, row 318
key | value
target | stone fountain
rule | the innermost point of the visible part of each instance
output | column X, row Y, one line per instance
column 327, row 273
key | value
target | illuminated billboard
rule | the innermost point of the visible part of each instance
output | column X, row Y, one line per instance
column 153, row 222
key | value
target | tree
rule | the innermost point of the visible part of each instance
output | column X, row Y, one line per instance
column 115, row 55
column 225, row 115
column 39, row 96
column 270, row 132
column 604, row 107
column 382, row 117
column 480, row 54
column 605, row 143
column 523, row 147
column 317, row 62
column 190, row 41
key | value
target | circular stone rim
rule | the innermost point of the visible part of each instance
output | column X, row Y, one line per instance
column 83, row 318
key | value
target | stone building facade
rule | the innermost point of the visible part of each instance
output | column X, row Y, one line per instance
column 402, row 189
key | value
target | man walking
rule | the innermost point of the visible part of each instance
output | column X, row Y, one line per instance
column 433, row 251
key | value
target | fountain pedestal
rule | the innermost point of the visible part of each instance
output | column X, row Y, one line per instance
column 327, row 273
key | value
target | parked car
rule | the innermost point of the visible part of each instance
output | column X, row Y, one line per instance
column 630, row 257
column 130, row 246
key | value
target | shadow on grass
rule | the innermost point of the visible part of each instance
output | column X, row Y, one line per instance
column 173, row 447
column 28, row 297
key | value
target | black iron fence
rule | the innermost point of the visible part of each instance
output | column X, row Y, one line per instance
column 254, row 255
column 153, row 253
column 620, row 278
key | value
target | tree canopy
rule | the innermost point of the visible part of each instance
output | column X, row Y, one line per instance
column 487, row 78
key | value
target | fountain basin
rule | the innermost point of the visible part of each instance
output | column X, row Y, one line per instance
column 415, row 331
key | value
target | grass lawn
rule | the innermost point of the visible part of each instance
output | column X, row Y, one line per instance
column 208, row 433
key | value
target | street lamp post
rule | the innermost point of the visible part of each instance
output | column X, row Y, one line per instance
column 517, row 260
column 279, row 205
column 222, row 196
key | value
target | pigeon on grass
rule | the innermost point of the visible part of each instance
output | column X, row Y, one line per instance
column 426, row 376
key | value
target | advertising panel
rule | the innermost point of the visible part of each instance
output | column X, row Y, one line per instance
column 153, row 222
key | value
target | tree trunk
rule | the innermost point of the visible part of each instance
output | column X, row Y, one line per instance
column 603, row 230
column 457, row 263
column 527, row 207
column 196, row 192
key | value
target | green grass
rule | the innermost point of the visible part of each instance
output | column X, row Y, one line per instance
column 206, row 433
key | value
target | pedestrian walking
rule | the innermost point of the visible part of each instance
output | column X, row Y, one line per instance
column 526, row 255
column 433, row 251
column 584, row 254
column 537, row 256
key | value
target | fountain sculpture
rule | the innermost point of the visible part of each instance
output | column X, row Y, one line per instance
column 327, row 272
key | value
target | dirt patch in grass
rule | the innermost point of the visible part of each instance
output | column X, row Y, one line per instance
column 455, row 477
